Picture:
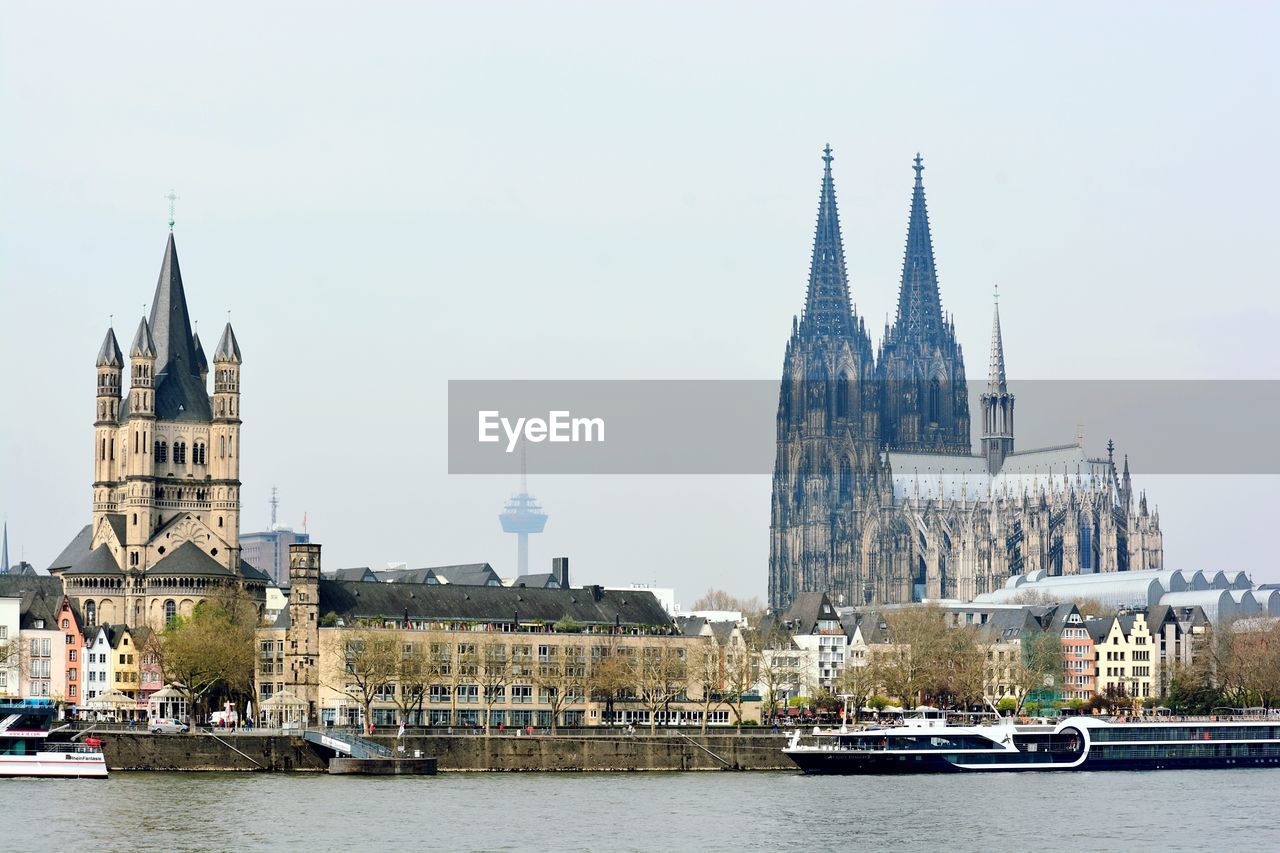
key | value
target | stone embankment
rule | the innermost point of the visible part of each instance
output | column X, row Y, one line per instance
column 604, row 752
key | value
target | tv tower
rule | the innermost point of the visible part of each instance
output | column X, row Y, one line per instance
column 522, row 516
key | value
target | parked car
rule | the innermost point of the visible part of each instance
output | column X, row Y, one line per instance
column 167, row 726
column 223, row 719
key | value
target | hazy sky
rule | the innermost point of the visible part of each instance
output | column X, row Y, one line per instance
column 391, row 196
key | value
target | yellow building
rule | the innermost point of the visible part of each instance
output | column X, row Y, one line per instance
column 474, row 656
column 1125, row 656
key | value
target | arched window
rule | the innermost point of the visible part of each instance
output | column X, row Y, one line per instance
column 846, row 478
column 179, row 453
column 935, row 401
column 170, row 610
column 842, row 396
column 162, row 451
column 90, row 613
column 199, row 452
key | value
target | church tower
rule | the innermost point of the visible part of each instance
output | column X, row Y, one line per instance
column 302, row 637
column 825, row 469
column 924, row 401
column 997, row 405
column 165, row 532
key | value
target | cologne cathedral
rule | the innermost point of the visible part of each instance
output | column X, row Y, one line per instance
column 878, row 497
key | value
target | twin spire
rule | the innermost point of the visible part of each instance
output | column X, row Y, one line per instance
column 995, row 375
column 826, row 309
column 919, row 304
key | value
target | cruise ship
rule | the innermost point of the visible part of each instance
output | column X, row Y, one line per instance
column 929, row 742
column 26, row 748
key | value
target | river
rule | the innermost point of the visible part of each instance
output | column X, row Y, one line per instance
column 1121, row 811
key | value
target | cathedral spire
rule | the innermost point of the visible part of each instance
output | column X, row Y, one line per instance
column 109, row 355
column 826, row 307
column 995, row 375
column 919, row 305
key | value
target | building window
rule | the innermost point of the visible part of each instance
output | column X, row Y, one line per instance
column 198, row 453
column 90, row 613
column 162, row 451
column 170, row 609
column 179, row 453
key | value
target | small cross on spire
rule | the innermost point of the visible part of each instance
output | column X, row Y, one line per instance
column 919, row 166
column 826, row 155
column 172, row 197
column 997, row 293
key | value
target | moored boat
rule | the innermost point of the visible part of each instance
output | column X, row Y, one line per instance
column 28, row 747
column 931, row 743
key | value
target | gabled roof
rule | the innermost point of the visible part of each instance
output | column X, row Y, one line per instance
column 539, row 580
column 1099, row 629
column 466, row 574
column 592, row 606
column 100, row 561
column 109, row 355
column 41, row 598
column 252, row 572
column 358, row 574
column 807, row 610
column 190, row 561
column 77, row 550
column 691, row 626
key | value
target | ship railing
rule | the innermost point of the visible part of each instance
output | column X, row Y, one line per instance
column 69, row 747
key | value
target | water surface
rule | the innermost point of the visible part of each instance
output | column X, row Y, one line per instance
column 1123, row 811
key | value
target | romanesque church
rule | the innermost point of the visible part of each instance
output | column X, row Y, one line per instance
column 165, row 532
column 878, row 497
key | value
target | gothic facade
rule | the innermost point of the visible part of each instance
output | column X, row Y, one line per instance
column 877, row 495
column 165, row 532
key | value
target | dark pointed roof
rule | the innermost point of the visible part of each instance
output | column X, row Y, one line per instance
column 202, row 363
column 180, row 393
column 826, row 309
column 76, row 551
column 919, row 304
column 995, row 374
column 189, row 560
column 144, row 345
column 109, row 355
column 228, row 349
column 99, row 562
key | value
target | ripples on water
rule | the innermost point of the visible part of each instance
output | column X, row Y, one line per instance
column 1166, row 810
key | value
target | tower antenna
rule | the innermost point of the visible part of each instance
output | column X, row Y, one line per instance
column 275, row 504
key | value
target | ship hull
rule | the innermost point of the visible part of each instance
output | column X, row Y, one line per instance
column 66, row 765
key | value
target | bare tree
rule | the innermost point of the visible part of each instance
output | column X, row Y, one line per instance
column 909, row 665
column 371, row 658
column 661, row 676
column 413, row 675
column 858, row 683
column 493, row 675
column 609, row 678
column 561, row 680
column 706, row 674
column 718, row 599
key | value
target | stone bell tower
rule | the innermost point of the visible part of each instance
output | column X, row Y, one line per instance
column 302, row 637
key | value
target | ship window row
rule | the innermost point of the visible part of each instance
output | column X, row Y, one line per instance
column 1187, row 733
column 1193, row 750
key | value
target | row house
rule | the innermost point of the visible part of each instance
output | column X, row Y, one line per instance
column 1125, row 656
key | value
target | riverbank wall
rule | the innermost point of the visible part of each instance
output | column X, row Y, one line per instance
column 276, row 752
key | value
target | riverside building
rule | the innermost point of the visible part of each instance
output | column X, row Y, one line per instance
column 476, row 656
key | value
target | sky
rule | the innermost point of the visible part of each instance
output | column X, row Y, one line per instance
column 390, row 196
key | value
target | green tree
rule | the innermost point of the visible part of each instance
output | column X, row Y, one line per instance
column 210, row 650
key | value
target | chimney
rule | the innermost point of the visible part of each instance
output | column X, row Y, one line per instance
column 560, row 570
